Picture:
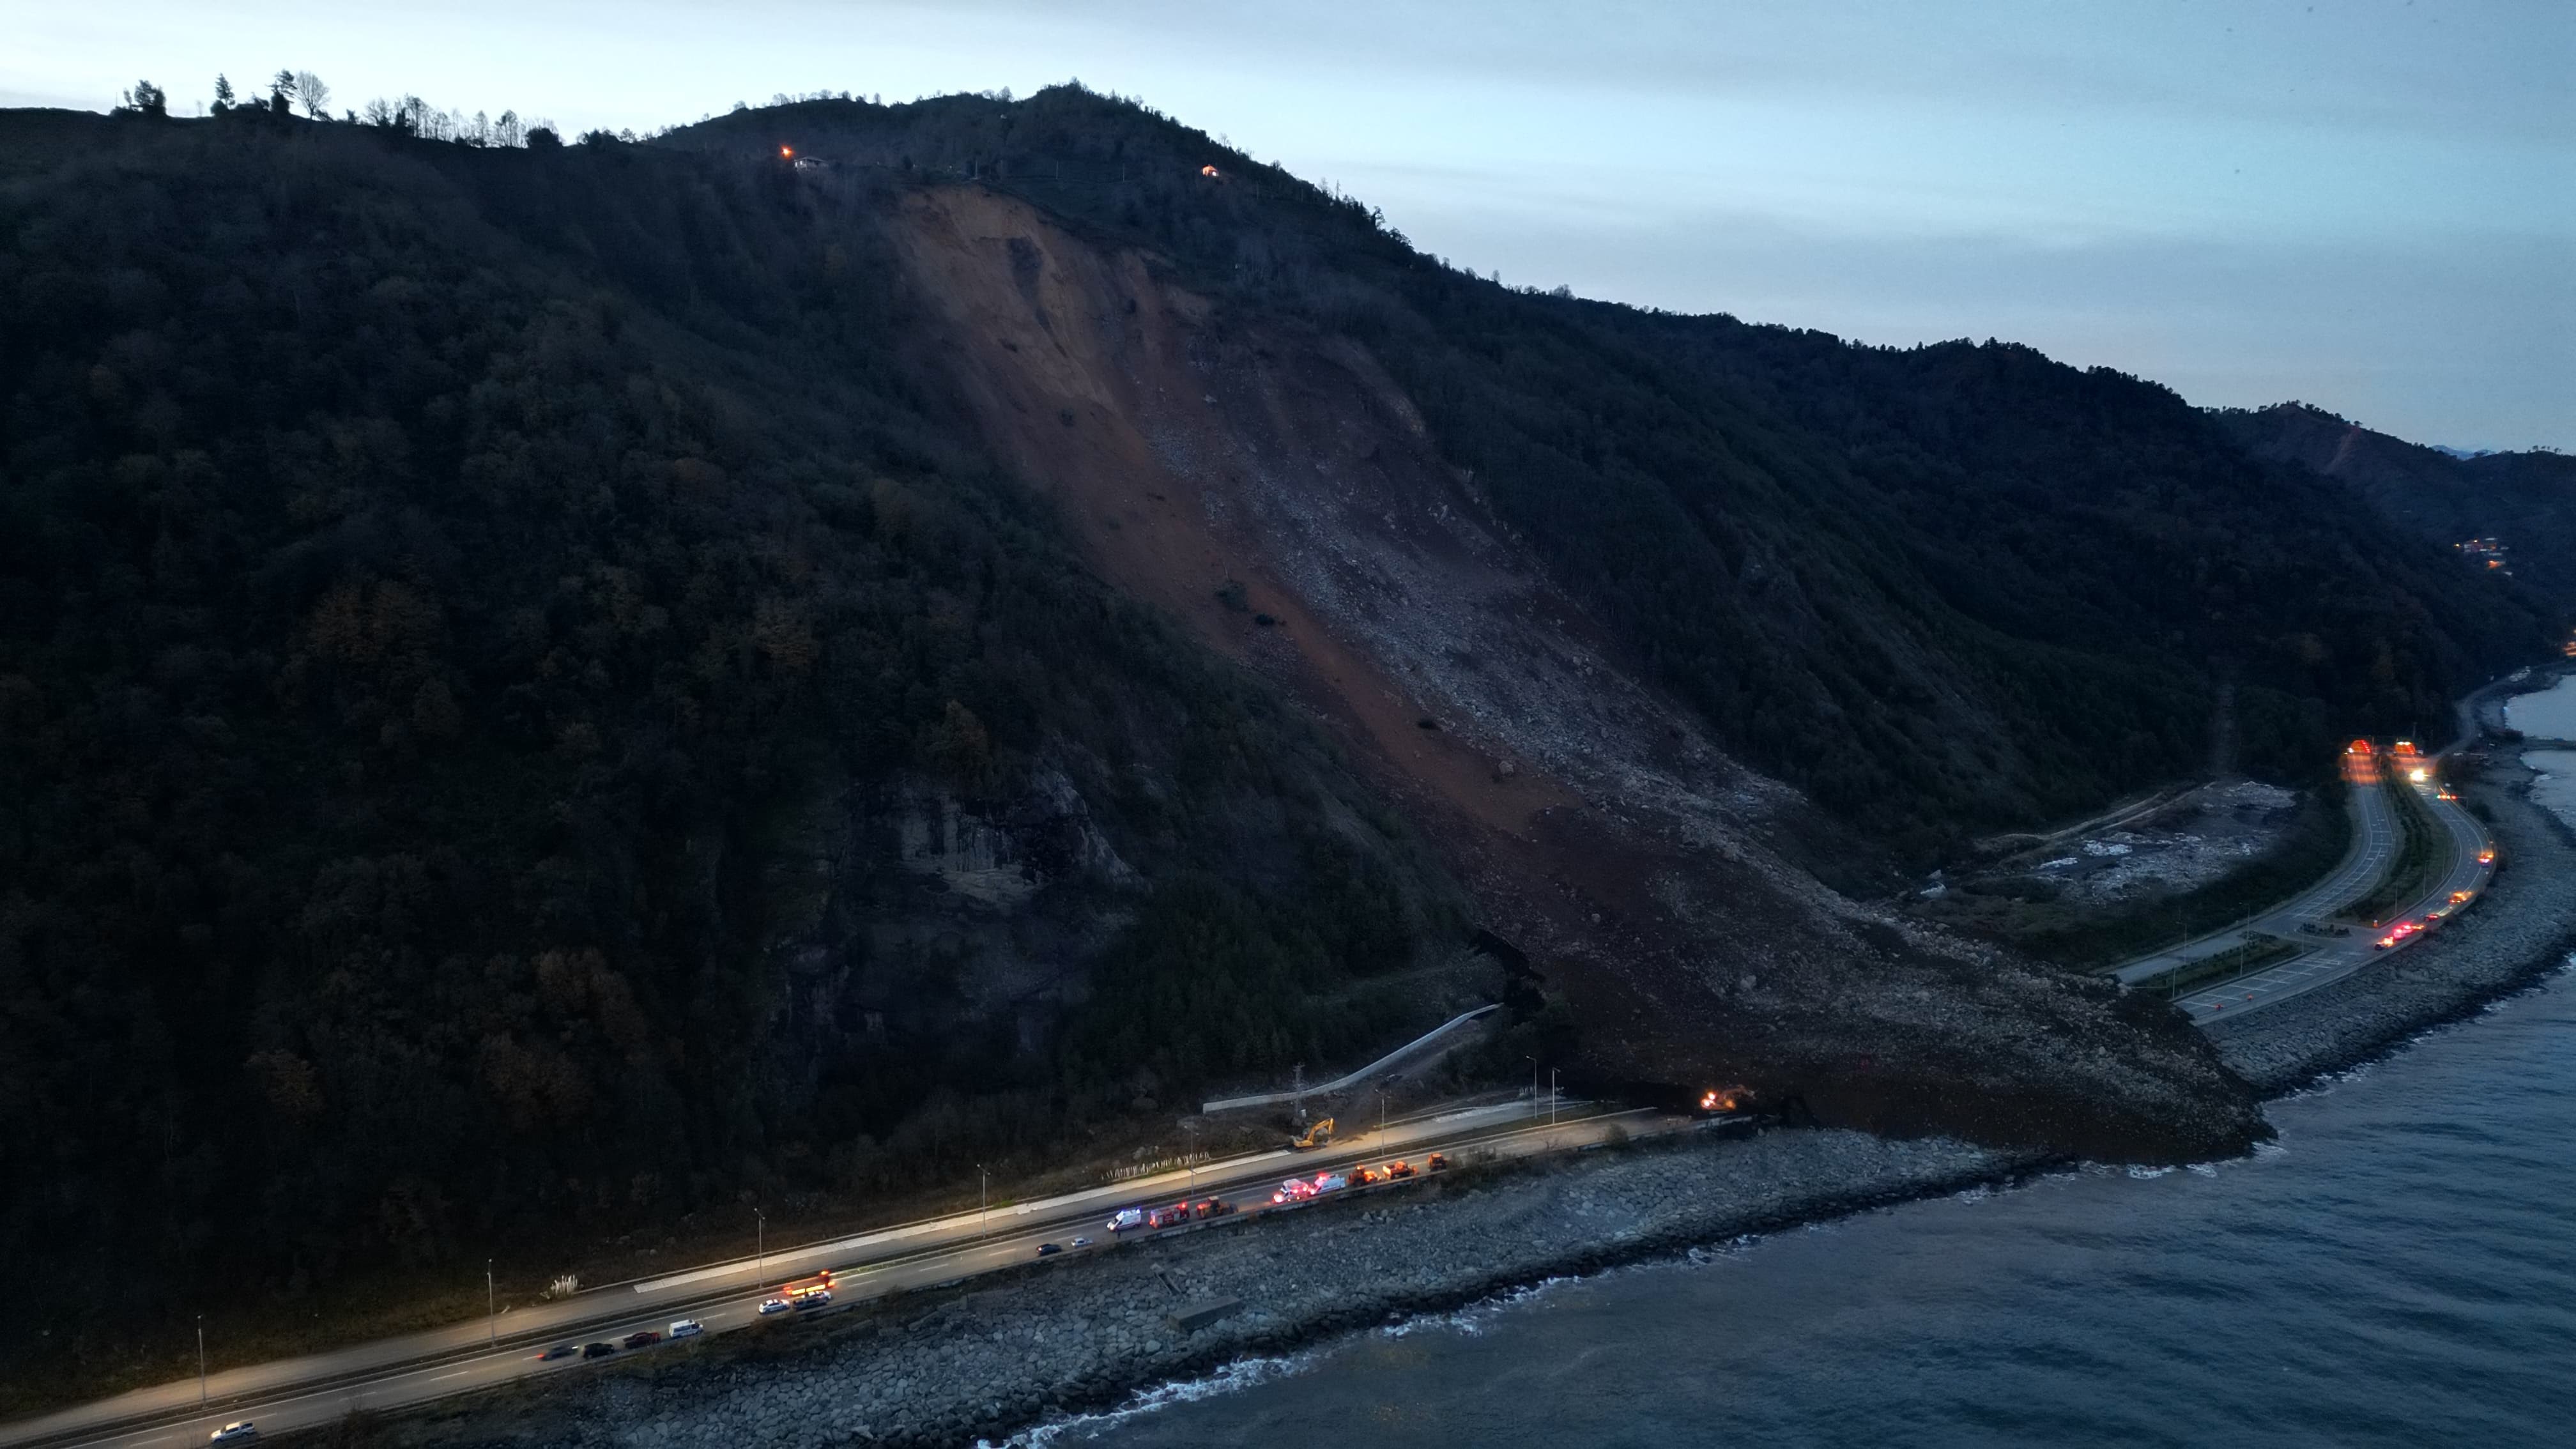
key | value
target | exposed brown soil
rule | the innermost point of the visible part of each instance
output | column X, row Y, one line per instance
column 1596, row 824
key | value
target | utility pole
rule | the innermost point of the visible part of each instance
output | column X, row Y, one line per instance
column 1551, row 1097
column 491, row 1302
column 984, row 1195
column 201, row 1360
column 760, row 1245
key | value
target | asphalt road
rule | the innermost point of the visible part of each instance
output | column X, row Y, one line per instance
column 2374, row 848
column 415, row 1368
column 2341, row 956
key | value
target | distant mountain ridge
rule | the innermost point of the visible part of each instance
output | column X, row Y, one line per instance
column 2526, row 500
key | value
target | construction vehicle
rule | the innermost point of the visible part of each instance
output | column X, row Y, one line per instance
column 1318, row 1135
column 1437, row 1162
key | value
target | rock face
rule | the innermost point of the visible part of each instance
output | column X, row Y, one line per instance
column 1081, row 1334
column 1274, row 488
column 912, row 913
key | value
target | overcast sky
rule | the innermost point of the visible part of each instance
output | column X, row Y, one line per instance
column 2366, row 204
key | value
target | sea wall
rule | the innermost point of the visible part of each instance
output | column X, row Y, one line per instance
column 2519, row 932
column 1064, row 1336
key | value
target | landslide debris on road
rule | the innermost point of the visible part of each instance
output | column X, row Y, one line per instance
column 1270, row 485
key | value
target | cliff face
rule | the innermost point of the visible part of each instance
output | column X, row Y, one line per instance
column 1268, row 484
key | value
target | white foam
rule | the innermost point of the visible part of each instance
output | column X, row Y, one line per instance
column 1233, row 1378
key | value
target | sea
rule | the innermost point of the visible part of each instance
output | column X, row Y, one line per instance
column 2399, row 1269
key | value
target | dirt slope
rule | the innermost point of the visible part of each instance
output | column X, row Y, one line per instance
column 1602, row 831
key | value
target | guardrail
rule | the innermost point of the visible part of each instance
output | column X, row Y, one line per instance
column 1344, row 1083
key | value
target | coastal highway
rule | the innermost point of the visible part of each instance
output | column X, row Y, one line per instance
column 415, row 1368
column 2328, row 958
column 2373, row 850
column 2334, row 958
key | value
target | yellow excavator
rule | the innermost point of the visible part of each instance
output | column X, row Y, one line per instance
column 1318, row 1135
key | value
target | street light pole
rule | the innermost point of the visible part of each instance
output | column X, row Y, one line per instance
column 1533, row 1061
column 1381, row 1117
column 491, row 1301
column 760, row 1244
column 201, row 1360
column 1551, row 1097
column 1193, row 1163
column 984, row 1196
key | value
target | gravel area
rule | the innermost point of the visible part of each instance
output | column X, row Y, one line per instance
column 1063, row 1337
column 2520, row 932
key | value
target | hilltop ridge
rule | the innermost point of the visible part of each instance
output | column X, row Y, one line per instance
column 544, row 690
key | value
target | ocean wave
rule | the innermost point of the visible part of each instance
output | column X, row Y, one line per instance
column 1233, row 1378
column 1472, row 1319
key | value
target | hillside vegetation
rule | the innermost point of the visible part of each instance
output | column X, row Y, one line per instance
column 1942, row 588
column 529, row 702
column 440, row 590
column 2524, row 501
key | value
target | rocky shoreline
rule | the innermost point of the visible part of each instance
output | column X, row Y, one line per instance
column 1013, row 1351
column 2520, row 933
column 1065, row 1338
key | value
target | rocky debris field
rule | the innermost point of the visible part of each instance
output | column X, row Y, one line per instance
column 1082, row 1334
column 1009, row 1352
column 2520, row 932
column 2196, row 839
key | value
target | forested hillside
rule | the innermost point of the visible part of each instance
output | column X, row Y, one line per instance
column 471, row 622
column 1941, row 588
column 530, row 700
column 2525, row 502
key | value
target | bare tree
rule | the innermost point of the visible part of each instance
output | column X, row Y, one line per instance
column 507, row 131
column 315, row 95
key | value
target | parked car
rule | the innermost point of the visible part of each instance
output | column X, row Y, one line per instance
column 1049, row 1250
column 686, row 1328
column 772, row 1305
column 561, row 1350
column 239, row 1431
column 643, row 1338
column 597, row 1350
